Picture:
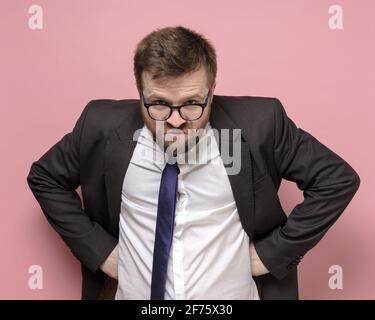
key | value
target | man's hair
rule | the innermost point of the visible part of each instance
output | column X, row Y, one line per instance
column 173, row 51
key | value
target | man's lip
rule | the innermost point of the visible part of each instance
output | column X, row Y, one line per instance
column 175, row 132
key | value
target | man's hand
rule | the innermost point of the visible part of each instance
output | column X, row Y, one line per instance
column 257, row 266
column 110, row 266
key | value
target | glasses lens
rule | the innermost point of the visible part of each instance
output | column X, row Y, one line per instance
column 191, row 112
column 159, row 112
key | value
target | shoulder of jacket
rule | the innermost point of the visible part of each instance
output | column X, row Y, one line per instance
column 248, row 108
column 104, row 115
column 109, row 106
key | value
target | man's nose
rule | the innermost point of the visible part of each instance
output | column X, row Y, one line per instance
column 175, row 119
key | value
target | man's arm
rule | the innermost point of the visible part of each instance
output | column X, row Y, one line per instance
column 328, row 183
column 53, row 180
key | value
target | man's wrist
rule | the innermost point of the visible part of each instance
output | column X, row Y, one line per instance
column 257, row 266
column 110, row 265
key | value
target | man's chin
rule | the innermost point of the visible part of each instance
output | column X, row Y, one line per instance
column 176, row 148
column 178, row 143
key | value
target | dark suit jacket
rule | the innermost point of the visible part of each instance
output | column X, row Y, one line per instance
column 96, row 154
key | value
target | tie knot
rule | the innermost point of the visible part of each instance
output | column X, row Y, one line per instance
column 170, row 166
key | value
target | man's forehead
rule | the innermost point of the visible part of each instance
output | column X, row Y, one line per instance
column 175, row 94
column 184, row 86
column 175, row 91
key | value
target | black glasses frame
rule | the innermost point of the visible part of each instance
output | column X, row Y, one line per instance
column 178, row 108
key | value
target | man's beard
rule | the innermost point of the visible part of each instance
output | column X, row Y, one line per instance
column 183, row 142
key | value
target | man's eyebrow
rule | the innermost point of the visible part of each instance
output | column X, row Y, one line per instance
column 157, row 97
column 196, row 96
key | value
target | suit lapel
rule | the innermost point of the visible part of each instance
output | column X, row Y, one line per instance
column 118, row 152
column 242, row 182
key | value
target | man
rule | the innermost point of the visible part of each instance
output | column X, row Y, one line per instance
column 172, row 229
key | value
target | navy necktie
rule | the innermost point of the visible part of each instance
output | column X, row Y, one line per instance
column 164, row 229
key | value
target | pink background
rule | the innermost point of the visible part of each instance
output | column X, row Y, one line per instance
column 285, row 49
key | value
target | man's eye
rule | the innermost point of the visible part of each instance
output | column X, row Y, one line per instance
column 159, row 102
column 192, row 102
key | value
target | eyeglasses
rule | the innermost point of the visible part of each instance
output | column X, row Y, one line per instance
column 161, row 111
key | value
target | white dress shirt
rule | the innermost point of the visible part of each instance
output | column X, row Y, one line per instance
column 209, row 257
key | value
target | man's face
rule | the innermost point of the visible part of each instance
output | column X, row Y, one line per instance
column 176, row 91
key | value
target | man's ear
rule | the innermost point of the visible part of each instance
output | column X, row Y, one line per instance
column 212, row 90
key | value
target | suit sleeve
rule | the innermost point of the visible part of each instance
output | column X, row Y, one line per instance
column 53, row 179
column 328, row 184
